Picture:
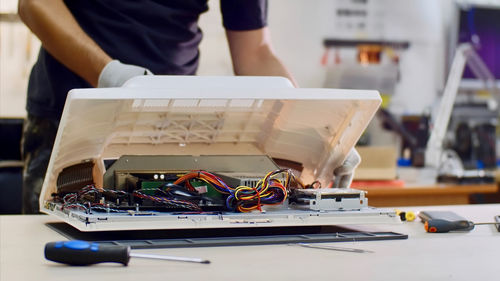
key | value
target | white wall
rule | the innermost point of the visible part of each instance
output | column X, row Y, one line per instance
column 297, row 33
column 298, row 28
column 214, row 50
column 18, row 49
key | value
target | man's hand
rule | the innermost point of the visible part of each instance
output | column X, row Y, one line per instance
column 115, row 74
column 345, row 172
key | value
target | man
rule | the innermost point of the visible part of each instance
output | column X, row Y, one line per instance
column 104, row 43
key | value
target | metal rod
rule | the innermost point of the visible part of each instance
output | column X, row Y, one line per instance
column 480, row 223
column 168, row 258
column 325, row 247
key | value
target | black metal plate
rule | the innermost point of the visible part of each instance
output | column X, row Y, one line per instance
column 179, row 238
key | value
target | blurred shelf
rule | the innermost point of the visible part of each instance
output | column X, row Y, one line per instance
column 353, row 43
column 9, row 17
column 439, row 194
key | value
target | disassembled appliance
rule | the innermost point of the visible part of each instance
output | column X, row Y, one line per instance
column 181, row 152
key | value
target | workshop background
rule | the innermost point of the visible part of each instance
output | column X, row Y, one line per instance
column 404, row 49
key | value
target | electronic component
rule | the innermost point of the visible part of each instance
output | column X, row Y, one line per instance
column 202, row 191
column 75, row 177
column 196, row 191
column 150, row 169
column 324, row 199
column 406, row 215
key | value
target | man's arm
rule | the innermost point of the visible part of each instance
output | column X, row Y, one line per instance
column 252, row 54
column 63, row 38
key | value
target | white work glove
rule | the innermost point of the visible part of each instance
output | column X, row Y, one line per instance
column 345, row 172
column 115, row 74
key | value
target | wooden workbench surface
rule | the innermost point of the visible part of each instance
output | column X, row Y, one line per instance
column 423, row 256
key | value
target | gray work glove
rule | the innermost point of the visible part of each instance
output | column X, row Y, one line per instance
column 115, row 74
column 345, row 172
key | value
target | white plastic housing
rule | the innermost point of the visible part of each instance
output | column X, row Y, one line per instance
column 179, row 115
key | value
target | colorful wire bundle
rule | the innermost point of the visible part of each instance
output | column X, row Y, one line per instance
column 268, row 191
column 205, row 176
column 91, row 189
column 76, row 200
column 81, row 200
column 271, row 190
column 168, row 201
column 91, row 206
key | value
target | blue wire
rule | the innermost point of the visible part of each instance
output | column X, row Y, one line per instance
column 228, row 201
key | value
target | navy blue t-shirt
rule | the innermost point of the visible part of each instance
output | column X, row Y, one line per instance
column 161, row 35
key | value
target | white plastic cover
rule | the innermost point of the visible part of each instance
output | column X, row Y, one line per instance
column 158, row 115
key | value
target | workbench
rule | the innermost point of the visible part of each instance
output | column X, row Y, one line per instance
column 423, row 256
column 425, row 195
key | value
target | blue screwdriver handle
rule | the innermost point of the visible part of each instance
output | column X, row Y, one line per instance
column 78, row 252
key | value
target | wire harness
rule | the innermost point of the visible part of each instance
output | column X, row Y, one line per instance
column 273, row 189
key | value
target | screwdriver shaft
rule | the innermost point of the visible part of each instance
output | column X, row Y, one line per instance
column 169, row 258
column 480, row 223
column 327, row 247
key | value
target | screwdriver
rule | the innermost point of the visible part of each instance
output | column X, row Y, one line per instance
column 78, row 252
column 441, row 226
